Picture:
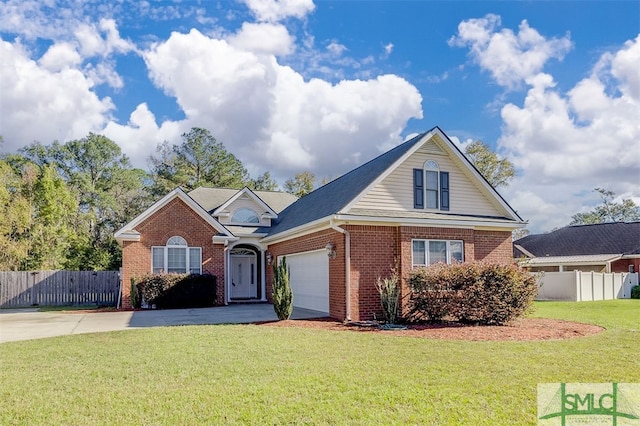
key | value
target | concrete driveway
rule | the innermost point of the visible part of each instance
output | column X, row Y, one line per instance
column 27, row 324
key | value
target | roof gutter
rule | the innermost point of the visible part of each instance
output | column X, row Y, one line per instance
column 347, row 267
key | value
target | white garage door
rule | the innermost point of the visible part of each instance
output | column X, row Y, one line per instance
column 310, row 280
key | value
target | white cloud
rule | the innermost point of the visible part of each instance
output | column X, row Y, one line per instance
column 388, row 48
column 263, row 38
column 102, row 39
column 60, row 56
column 41, row 104
column 277, row 10
column 565, row 145
column 336, row 49
column 462, row 145
column 510, row 58
column 268, row 114
column 139, row 137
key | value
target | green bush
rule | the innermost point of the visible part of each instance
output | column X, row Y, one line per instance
column 481, row 293
column 136, row 298
column 635, row 292
column 282, row 294
column 168, row 291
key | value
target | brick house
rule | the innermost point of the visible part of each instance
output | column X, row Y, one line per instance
column 420, row 203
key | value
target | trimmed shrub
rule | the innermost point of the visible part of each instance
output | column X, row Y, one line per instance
column 481, row 293
column 282, row 294
column 430, row 298
column 169, row 291
column 635, row 292
column 389, row 290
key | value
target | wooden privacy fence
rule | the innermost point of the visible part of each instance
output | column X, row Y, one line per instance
column 580, row 286
column 58, row 288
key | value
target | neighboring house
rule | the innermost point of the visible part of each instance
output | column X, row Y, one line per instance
column 603, row 247
column 420, row 203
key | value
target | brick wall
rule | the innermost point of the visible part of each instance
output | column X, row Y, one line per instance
column 175, row 218
column 493, row 246
column 377, row 249
column 374, row 252
column 316, row 241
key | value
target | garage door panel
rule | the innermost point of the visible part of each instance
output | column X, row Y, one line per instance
column 309, row 277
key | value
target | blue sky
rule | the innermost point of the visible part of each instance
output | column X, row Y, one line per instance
column 294, row 85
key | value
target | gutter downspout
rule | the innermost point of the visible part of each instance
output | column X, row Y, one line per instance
column 347, row 267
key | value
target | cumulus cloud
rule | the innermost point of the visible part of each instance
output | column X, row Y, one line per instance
column 102, row 39
column 141, row 134
column 277, row 10
column 54, row 97
column 268, row 114
column 563, row 144
column 263, row 38
column 510, row 58
column 271, row 115
column 576, row 141
column 46, row 102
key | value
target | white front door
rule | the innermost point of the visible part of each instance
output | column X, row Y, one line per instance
column 243, row 277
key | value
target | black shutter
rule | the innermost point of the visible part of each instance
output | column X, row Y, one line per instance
column 418, row 189
column 444, row 190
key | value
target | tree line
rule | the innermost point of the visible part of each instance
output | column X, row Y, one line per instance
column 61, row 203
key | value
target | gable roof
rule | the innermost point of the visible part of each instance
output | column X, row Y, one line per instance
column 251, row 195
column 578, row 240
column 128, row 232
column 332, row 197
column 336, row 196
column 212, row 199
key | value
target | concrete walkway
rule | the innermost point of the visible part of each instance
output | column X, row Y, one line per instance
column 27, row 324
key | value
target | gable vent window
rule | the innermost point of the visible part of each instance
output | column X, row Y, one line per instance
column 245, row 215
column 430, row 187
column 176, row 258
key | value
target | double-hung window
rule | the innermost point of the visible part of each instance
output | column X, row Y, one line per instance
column 176, row 257
column 430, row 187
column 429, row 252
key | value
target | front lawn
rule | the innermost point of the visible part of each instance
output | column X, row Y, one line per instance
column 270, row 375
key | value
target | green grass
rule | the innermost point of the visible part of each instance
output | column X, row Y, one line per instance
column 268, row 375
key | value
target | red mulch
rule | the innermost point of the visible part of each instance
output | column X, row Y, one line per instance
column 520, row 330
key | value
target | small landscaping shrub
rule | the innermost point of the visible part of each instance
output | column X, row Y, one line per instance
column 168, row 291
column 136, row 298
column 635, row 292
column 481, row 293
column 282, row 294
column 389, row 290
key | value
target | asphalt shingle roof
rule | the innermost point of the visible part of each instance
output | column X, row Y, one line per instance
column 602, row 238
column 212, row 198
column 334, row 196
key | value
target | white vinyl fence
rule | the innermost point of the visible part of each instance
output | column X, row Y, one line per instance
column 58, row 288
column 580, row 286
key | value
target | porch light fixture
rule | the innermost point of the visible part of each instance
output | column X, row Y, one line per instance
column 269, row 258
column 331, row 250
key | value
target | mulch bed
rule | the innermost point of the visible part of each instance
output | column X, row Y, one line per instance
column 525, row 329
